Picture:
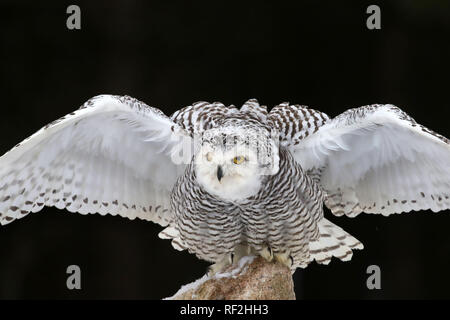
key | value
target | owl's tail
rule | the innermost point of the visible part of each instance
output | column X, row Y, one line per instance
column 333, row 241
column 171, row 233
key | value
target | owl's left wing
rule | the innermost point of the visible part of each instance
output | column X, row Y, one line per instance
column 377, row 159
column 115, row 155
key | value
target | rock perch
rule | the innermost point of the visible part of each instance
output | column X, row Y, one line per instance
column 253, row 278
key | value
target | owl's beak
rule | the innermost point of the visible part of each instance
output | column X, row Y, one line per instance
column 219, row 172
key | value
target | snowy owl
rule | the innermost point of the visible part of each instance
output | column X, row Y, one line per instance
column 227, row 182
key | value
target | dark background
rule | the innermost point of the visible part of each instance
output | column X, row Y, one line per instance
column 169, row 55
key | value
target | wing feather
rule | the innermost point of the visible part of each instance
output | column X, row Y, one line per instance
column 377, row 159
column 111, row 156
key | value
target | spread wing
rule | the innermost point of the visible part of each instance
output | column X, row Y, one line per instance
column 377, row 159
column 113, row 155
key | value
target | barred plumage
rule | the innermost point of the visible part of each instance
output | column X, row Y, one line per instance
column 211, row 227
column 221, row 178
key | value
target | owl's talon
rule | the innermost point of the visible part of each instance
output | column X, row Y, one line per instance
column 214, row 268
column 284, row 258
column 267, row 253
column 221, row 265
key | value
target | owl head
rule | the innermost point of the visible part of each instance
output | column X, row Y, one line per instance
column 232, row 161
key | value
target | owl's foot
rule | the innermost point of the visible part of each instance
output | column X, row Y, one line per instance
column 284, row 258
column 240, row 251
column 266, row 253
column 221, row 264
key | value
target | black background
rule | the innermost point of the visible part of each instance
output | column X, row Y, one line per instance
column 170, row 55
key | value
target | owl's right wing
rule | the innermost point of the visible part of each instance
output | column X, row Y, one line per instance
column 115, row 155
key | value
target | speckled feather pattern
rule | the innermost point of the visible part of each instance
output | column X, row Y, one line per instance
column 211, row 227
column 114, row 156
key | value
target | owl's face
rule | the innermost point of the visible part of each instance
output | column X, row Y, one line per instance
column 231, row 174
column 231, row 166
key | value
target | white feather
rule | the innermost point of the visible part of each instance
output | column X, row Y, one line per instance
column 378, row 160
column 113, row 154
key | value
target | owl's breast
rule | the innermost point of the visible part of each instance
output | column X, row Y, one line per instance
column 209, row 226
column 281, row 214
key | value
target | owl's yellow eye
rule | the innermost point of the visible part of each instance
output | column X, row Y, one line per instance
column 238, row 159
